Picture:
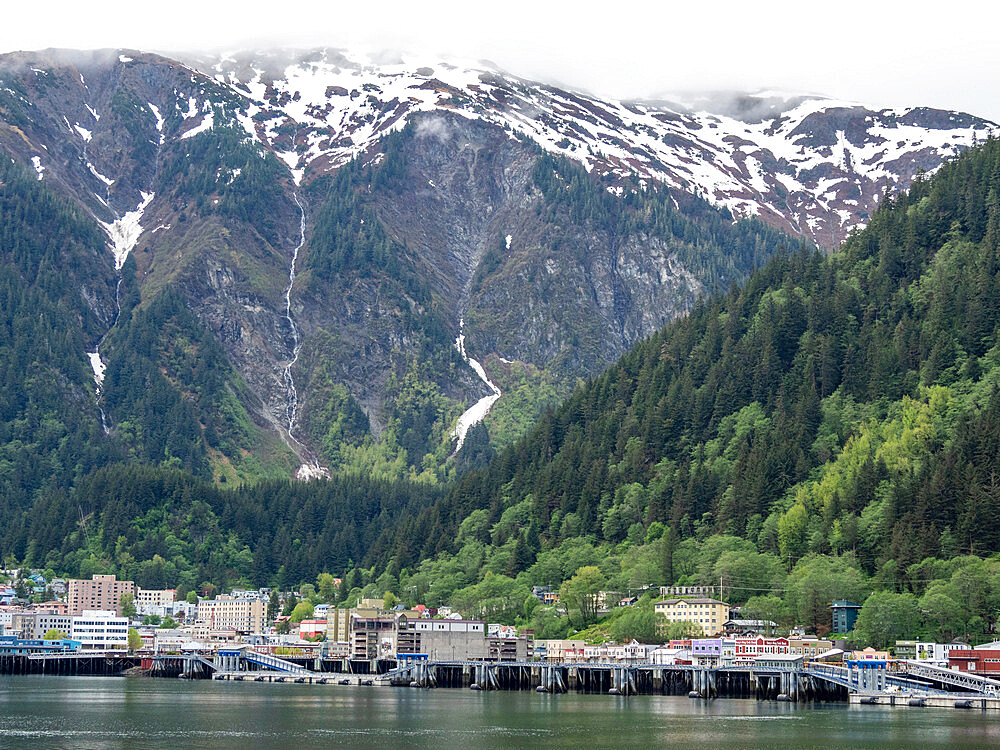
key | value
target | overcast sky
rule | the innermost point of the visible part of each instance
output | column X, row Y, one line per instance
column 884, row 53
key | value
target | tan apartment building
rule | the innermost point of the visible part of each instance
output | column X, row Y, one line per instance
column 338, row 622
column 102, row 592
column 155, row 597
column 708, row 614
column 224, row 612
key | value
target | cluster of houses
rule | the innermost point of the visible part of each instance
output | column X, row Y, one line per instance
column 724, row 651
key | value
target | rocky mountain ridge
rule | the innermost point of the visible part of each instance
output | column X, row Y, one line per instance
column 407, row 198
column 807, row 164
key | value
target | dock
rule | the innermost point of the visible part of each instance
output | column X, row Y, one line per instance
column 968, row 701
column 910, row 684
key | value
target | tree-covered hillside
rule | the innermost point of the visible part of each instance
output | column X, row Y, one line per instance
column 51, row 279
column 164, row 528
column 844, row 406
column 828, row 431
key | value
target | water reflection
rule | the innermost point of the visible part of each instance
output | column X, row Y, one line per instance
column 56, row 712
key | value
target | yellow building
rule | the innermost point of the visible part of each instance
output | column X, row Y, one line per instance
column 708, row 614
column 338, row 621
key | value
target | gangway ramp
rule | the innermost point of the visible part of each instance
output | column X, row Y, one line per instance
column 967, row 680
column 268, row 661
column 868, row 680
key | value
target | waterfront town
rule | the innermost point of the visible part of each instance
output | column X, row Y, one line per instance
column 104, row 615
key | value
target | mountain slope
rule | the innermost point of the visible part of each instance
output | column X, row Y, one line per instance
column 833, row 405
column 325, row 230
column 462, row 222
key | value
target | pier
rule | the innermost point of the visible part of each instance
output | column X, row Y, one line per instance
column 911, row 684
column 92, row 664
column 619, row 679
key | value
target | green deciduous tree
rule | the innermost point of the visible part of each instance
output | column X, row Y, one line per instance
column 302, row 611
column 127, row 603
column 886, row 617
column 578, row 595
column 134, row 640
column 942, row 614
column 639, row 622
column 326, row 587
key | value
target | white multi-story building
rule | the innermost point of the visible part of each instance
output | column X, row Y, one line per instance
column 560, row 649
column 100, row 630
column 48, row 621
column 7, row 616
column 927, row 651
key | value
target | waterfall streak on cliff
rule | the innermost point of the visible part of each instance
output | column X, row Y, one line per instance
column 478, row 411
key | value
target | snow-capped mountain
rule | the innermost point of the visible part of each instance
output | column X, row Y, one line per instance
column 807, row 164
column 323, row 227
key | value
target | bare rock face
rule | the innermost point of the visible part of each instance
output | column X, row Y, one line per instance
column 206, row 176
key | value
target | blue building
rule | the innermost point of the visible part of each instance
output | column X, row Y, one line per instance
column 19, row 646
column 845, row 614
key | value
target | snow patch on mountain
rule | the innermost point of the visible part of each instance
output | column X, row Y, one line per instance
column 106, row 180
column 206, row 124
column 98, row 366
column 124, row 233
column 159, row 120
column 36, row 162
column 478, row 411
column 757, row 154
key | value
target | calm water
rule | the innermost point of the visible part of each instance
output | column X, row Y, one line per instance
column 79, row 712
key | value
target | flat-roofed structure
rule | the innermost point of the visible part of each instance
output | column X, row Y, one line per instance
column 101, row 593
column 227, row 612
column 710, row 615
column 98, row 630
